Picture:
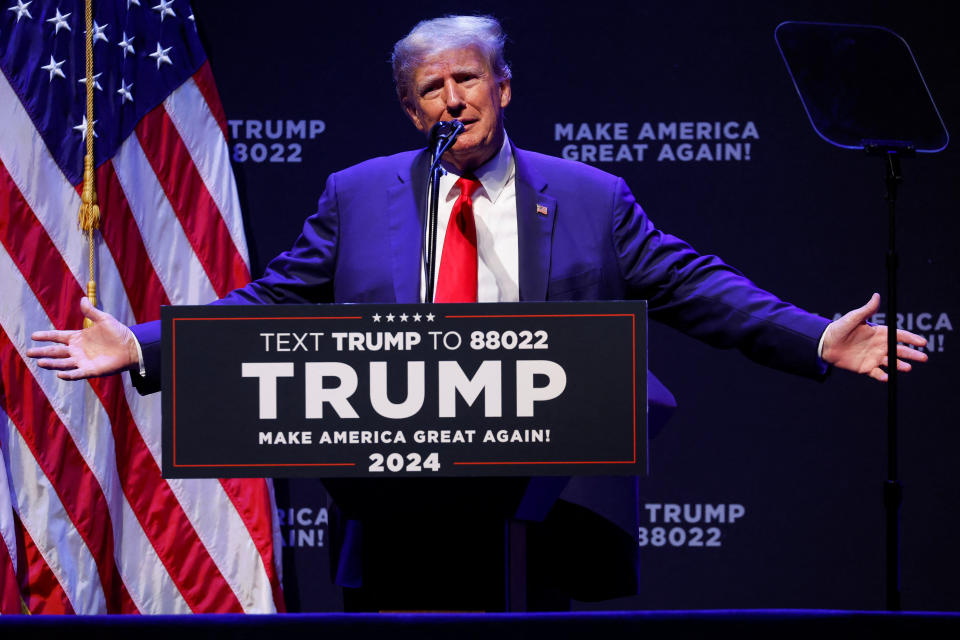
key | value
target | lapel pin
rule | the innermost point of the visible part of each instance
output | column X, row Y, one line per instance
column 542, row 209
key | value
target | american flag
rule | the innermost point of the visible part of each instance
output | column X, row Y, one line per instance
column 89, row 524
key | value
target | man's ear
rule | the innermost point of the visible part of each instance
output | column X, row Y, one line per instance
column 505, row 93
column 413, row 114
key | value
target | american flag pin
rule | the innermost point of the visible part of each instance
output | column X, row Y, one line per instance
column 542, row 209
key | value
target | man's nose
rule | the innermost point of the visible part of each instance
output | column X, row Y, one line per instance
column 453, row 96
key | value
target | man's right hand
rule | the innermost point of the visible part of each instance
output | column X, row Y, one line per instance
column 105, row 348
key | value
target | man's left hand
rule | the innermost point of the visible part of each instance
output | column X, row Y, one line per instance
column 854, row 344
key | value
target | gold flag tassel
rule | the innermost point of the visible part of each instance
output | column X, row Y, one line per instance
column 89, row 218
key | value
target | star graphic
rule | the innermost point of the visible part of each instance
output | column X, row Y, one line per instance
column 376, row 317
column 124, row 91
column 126, row 44
column 416, row 317
column 403, row 317
column 96, row 84
column 54, row 68
column 22, row 10
column 60, row 21
column 164, row 9
column 82, row 128
column 160, row 55
column 98, row 32
column 390, row 317
column 430, row 317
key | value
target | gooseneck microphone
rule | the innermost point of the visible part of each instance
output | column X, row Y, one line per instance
column 442, row 136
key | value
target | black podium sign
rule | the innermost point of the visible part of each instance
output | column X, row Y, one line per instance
column 405, row 390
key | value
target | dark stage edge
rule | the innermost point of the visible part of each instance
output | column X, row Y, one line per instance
column 589, row 625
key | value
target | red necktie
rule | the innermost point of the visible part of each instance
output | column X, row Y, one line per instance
column 457, row 278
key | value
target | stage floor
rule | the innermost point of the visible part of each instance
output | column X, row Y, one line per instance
column 580, row 625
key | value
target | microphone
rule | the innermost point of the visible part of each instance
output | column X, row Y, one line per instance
column 443, row 135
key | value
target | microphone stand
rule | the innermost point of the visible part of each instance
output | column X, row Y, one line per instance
column 442, row 137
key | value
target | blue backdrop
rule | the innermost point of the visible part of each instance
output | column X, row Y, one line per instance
column 765, row 489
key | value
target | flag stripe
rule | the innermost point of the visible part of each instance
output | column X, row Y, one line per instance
column 9, row 588
column 248, row 503
column 193, row 117
column 204, row 79
column 226, row 539
column 179, row 269
column 58, row 549
column 191, row 201
column 82, row 414
column 152, row 588
column 156, row 507
column 121, row 235
column 158, row 510
column 58, row 458
column 39, row 587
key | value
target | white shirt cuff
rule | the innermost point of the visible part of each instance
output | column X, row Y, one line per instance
column 143, row 370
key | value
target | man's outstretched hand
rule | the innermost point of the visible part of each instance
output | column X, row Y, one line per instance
column 105, row 348
column 852, row 343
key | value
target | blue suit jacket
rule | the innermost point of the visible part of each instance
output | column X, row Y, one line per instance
column 594, row 243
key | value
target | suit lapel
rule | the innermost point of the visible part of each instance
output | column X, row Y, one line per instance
column 405, row 204
column 536, row 212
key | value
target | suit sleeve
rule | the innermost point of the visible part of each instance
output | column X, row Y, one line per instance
column 704, row 297
column 302, row 275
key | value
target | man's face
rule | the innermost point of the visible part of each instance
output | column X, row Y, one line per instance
column 458, row 84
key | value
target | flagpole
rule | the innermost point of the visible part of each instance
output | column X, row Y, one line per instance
column 89, row 216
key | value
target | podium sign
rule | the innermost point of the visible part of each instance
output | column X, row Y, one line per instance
column 514, row 389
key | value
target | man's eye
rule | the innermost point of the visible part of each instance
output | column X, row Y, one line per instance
column 430, row 88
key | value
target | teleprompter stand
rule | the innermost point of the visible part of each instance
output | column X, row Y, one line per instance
column 862, row 89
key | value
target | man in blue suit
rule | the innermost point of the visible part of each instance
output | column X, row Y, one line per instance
column 543, row 228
